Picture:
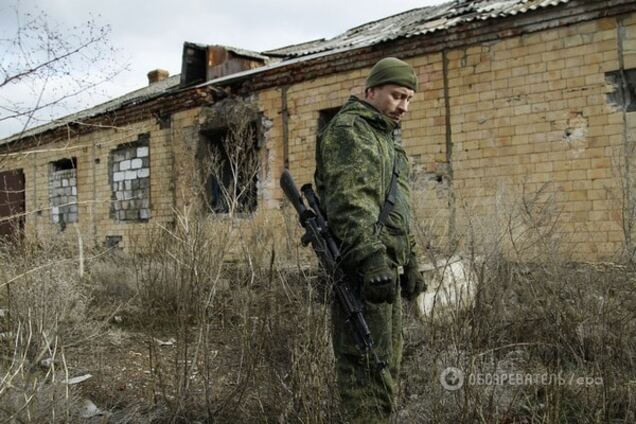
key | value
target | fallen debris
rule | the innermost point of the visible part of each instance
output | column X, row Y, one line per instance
column 77, row 380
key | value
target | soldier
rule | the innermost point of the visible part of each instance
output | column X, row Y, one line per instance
column 356, row 155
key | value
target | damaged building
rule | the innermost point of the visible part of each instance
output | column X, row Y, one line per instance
column 529, row 95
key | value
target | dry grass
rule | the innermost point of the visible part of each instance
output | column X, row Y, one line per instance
column 251, row 344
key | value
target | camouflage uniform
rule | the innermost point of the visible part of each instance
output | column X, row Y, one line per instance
column 354, row 163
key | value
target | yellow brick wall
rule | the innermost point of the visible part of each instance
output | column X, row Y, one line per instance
column 531, row 113
column 94, row 191
column 527, row 113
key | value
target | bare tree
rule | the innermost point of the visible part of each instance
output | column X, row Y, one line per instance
column 46, row 66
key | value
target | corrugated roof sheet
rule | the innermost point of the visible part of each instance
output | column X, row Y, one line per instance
column 416, row 22
column 137, row 96
column 407, row 24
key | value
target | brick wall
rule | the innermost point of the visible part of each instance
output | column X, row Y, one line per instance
column 63, row 192
column 130, row 181
column 527, row 114
column 95, row 187
column 524, row 114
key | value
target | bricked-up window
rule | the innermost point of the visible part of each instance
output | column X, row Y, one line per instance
column 230, row 169
column 63, row 191
column 624, row 95
column 130, row 181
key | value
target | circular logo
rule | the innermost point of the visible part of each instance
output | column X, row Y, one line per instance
column 452, row 379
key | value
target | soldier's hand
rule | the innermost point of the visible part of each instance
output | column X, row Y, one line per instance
column 378, row 280
column 412, row 281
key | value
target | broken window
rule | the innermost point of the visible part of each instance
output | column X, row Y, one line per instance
column 624, row 95
column 230, row 169
column 193, row 63
column 129, row 166
column 113, row 242
column 325, row 116
column 63, row 192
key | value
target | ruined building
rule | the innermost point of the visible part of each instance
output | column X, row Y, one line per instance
column 532, row 96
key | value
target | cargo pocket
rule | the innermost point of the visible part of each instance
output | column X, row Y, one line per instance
column 395, row 239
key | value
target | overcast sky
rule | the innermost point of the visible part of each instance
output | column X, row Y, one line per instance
column 150, row 34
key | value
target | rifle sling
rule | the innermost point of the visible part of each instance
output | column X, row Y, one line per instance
column 389, row 202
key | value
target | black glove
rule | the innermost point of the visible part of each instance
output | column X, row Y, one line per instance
column 378, row 280
column 412, row 281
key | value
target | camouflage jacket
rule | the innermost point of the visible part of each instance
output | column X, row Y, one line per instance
column 354, row 162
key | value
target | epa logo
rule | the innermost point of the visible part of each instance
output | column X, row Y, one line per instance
column 452, row 379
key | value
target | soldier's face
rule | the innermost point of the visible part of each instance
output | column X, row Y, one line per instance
column 390, row 99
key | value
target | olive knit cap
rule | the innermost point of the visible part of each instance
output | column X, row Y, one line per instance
column 391, row 70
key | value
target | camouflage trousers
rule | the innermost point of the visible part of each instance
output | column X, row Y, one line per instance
column 366, row 395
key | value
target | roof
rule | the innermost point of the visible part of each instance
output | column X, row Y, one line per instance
column 414, row 22
column 143, row 94
column 411, row 23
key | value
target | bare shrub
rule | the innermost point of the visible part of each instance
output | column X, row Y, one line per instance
column 230, row 159
column 44, row 304
column 248, row 340
column 564, row 328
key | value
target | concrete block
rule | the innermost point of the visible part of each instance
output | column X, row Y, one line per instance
column 128, row 195
column 130, row 175
column 72, row 181
column 64, row 182
column 119, row 176
column 55, row 210
column 142, row 152
column 74, row 191
column 119, row 156
column 116, row 167
column 119, row 195
column 144, row 214
column 135, row 163
column 128, row 184
column 124, row 165
column 143, row 173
